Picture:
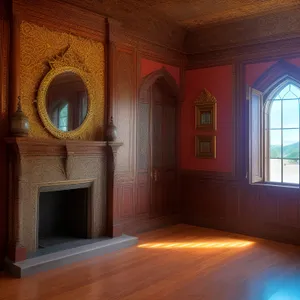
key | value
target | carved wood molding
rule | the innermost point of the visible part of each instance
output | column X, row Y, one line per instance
column 251, row 54
column 48, row 147
column 273, row 50
column 205, row 97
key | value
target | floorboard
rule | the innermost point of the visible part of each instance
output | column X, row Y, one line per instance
column 175, row 263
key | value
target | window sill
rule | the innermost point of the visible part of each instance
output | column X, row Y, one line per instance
column 276, row 185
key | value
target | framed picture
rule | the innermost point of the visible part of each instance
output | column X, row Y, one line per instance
column 205, row 146
column 205, row 117
column 205, row 111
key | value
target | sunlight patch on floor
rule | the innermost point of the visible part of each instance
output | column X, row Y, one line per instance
column 235, row 244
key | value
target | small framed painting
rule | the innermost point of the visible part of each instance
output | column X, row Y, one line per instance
column 205, row 111
column 205, row 117
column 205, row 146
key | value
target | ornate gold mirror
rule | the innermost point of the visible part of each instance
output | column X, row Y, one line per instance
column 64, row 102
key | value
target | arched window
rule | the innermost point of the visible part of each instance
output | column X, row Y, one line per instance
column 274, row 135
column 282, row 134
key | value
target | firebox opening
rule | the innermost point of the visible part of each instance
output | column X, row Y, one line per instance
column 63, row 216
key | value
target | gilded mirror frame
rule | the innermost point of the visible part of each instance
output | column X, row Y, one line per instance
column 42, row 103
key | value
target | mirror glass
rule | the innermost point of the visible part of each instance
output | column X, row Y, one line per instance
column 67, row 101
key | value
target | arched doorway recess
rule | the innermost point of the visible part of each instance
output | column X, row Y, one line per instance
column 156, row 145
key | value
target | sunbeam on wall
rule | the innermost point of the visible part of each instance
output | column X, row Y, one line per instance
column 234, row 244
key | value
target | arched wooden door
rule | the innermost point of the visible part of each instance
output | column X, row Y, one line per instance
column 156, row 151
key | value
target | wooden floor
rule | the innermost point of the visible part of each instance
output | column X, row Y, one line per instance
column 180, row 262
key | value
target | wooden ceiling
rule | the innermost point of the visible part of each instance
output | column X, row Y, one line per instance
column 193, row 13
column 194, row 26
column 187, row 13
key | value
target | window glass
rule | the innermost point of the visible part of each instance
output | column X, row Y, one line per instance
column 275, row 116
column 283, row 136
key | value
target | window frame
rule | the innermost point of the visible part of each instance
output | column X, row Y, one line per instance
column 267, row 97
column 268, row 100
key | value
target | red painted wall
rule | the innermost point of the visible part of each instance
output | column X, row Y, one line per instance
column 218, row 81
column 254, row 71
column 149, row 66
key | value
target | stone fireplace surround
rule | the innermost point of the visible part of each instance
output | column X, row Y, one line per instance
column 37, row 165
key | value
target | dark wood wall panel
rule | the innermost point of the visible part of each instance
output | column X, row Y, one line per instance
column 124, row 103
column 127, row 201
column 132, row 170
column 143, row 154
column 267, row 212
column 143, row 195
column 4, row 65
column 124, row 109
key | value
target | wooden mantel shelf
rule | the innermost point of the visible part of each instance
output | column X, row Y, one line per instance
column 49, row 147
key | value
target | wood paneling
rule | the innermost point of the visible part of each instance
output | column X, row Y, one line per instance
column 124, row 89
column 127, row 201
column 139, row 21
column 126, row 50
column 4, row 66
column 143, row 194
column 268, row 212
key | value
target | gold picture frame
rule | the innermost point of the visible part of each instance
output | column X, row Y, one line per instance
column 205, row 146
column 42, row 107
column 206, row 111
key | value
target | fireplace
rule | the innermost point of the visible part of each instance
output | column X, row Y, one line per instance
column 40, row 169
column 62, row 206
column 63, row 216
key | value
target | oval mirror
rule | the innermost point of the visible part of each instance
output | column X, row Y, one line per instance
column 67, row 101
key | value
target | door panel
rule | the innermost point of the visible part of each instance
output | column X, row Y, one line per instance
column 164, row 149
column 157, row 155
column 143, row 157
column 169, row 148
column 143, row 137
column 157, row 135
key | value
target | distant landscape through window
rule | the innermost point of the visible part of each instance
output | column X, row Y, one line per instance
column 283, row 134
